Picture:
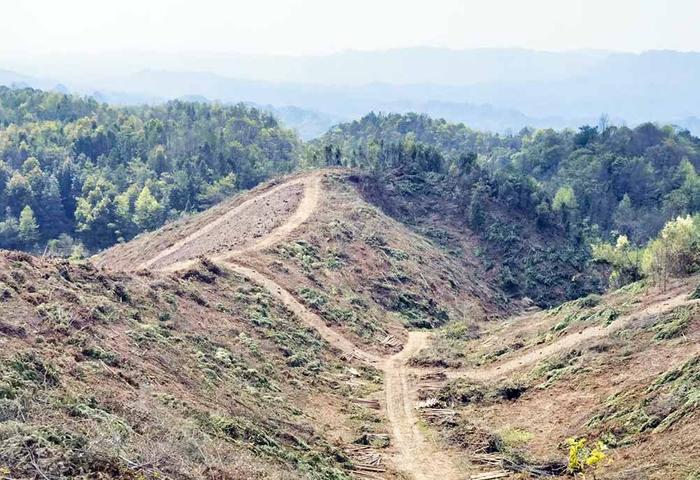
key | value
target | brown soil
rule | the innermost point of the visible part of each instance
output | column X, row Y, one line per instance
column 264, row 220
column 237, row 230
column 415, row 453
column 234, row 225
column 570, row 341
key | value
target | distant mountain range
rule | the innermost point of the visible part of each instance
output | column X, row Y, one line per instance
column 490, row 89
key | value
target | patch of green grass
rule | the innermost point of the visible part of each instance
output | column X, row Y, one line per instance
column 552, row 369
column 674, row 323
column 55, row 315
column 301, row 251
column 312, row 298
column 378, row 242
column 98, row 353
column 417, row 311
column 90, row 410
column 148, row 334
column 515, row 437
column 581, row 311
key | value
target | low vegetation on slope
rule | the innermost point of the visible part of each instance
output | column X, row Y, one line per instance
column 633, row 386
column 195, row 375
column 360, row 270
column 364, row 272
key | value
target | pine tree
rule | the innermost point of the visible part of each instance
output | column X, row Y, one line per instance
column 51, row 213
column 19, row 192
column 9, row 231
column 148, row 213
column 28, row 226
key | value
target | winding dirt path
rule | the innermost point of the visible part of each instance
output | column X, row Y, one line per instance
column 306, row 207
column 305, row 315
column 416, row 455
column 569, row 341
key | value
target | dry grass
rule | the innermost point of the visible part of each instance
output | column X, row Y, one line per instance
column 196, row 375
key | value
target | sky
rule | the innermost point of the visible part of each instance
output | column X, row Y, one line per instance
column 310, row 27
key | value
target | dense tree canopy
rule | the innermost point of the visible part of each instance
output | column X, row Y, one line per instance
column 104, row 174
column 537, row 199
column 621, row 179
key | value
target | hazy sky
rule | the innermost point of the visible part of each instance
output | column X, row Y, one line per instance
column 32, row 27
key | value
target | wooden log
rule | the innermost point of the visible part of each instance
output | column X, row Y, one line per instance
column 490, row 475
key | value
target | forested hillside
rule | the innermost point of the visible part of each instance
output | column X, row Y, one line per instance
column 537, row 200
column 83, row 171
column 77, row 176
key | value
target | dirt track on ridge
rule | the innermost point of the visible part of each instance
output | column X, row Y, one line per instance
column 255, row 224
column 415, row 455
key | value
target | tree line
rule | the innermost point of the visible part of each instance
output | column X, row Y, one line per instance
column 73, row 171
column 538, row 199
column 76, row 174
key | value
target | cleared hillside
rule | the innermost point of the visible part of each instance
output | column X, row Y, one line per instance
column 297, row 331
column 360, row 270
column 623, row 369
column 199, row 375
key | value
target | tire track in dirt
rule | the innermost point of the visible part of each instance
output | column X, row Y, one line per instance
column 416, row 454
column 305, row 315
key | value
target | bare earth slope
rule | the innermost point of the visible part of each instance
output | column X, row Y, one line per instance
column 231, row 226
column 414, row 454
column 197, row 375
column 622, row 369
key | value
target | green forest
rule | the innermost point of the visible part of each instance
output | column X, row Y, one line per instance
column 548, row 207
column 629, row 180
column 77, row 176
column 76, row 173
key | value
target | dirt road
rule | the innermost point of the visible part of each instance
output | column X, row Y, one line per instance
column 187, row 247
column 568, row 342
column 307, row 316
column 416, row 454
